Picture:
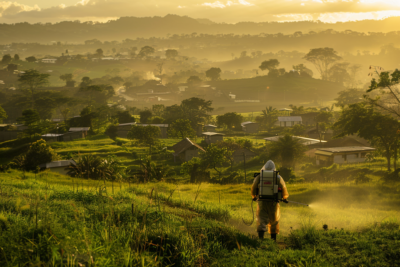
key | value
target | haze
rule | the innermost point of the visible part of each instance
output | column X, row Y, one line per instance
column 231, row 11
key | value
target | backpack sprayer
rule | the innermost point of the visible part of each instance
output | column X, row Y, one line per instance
column 269, row 190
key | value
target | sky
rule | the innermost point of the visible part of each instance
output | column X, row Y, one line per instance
column 228, row 11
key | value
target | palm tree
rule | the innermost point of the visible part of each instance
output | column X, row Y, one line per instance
column 287, row 150
column 268, row 116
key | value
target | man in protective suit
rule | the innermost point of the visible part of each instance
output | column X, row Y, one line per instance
column 268, row 212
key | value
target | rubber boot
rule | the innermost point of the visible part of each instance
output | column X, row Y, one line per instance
column 261, row 235
column 273, row 237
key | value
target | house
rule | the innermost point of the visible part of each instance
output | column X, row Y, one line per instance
column 288, row 121
column 314, row 133
column 250, row 127
column 124, row 128
column 346, row 141
column 70, row 136
column 243, row 154
column 304, row 140
column 49, row 60
column 58, row 166
column 212, row 137
column 341, row 155
column 185, row 150
column 84, row 130
column 210, row 128
column 51, row 137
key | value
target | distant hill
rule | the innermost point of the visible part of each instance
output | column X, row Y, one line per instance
column 282, row 89
column 134, row 27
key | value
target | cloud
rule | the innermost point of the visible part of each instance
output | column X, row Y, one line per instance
column 13, row 8
column 229, row 11
column 219, row 4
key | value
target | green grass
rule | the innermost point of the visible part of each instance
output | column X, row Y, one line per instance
column 53, row 220
column 50, row 219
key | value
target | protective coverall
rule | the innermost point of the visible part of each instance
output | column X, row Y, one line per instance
column 268, row 212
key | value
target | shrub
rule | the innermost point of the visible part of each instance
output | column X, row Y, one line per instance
column 39, row 152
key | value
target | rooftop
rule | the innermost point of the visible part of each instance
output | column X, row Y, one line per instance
column 346, row 149
column 184, row 145
column 57, row 164
column 158, row 125
column 247, row 122
column 126, row 124
column 211, row 133
column 290, row 118
column 51, row 135
column 79, row 129
column 210, row 125
column 304, row 140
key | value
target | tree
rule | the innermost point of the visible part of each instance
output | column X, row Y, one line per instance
column 214, row 157
column 93, row 167
column 274, row 73
column 338, row 73
column 181, row 129
column 29, row 117
column 158, row 110
column 144, row 135
column 193, row 80
column 6, row 59
column 381, row 130
column 146, row 51
column 16, row 57
column 3, row 114
column 171, row 53
column 268, row 117
column 303, row 70
column 348, row 97
column 324, row 116
column 112, row 132
column 196, row 170
column 124, row 117
column 269, row 64
column 12, row 67
column 39, row 152
column 231, row 120
column 32, row 80
column 195, row 109
column 322, row 58
column 99, row 52
column 68, row 79
column 287, row 150
column 390, row 100
column 31, row 59
column 214, row 74
column 145, row 115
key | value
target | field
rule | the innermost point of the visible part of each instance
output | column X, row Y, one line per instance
column 49, row 219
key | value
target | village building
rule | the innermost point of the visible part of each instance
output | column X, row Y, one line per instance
column 250, row 127
column 210, row 128
column 185, row 150
column 347, row 141
column 83, row 130
column 310, row 142
column 49, row 60
column 212, row 137
column 124, row 128
column 60, row 166
column 243, row 154
column 288, row 121
column 341, row 155
column 51, row 137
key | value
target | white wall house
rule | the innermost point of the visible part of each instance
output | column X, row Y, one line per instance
column 288, row 121
column 49, row 60
column 341, row 155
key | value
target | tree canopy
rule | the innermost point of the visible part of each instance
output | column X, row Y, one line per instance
column 322, row 58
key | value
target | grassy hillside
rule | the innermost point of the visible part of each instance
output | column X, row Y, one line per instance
column 54, row 220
